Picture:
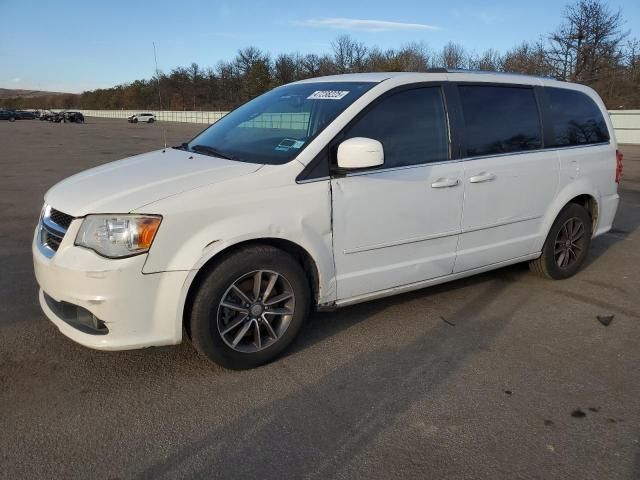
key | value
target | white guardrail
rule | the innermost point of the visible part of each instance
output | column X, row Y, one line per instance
column 188, row 116
column 625, row 122
column 627, row 125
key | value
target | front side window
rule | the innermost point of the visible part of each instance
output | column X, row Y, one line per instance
column 500, row 119
column 274, row 128
column 410, row 124
column 577, row 120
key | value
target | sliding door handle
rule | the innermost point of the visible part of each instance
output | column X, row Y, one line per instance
column 445, row 182
column 482, row 177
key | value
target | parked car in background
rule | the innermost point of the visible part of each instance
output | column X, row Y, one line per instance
column 73, row 117
column 141, row 117
column 46, row 115
column 325, row 193
column 8, row 115
column 58, row 117
column 25, row 115
column 55, row 117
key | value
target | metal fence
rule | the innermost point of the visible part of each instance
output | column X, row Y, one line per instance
column 188, row 116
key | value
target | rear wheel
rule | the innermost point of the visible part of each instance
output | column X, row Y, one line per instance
column 249, row 308
column 567, row 244
column 12, row 119
column 151, row 120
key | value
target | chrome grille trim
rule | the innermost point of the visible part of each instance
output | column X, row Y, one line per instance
column 52, row 228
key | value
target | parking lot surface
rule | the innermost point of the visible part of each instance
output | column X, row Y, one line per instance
column 502, row 375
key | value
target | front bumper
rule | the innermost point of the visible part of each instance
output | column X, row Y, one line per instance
column 138, row 310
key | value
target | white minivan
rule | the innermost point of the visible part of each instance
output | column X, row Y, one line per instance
column 141, row 117
column 324, row 193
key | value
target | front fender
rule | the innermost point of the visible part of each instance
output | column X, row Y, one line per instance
column 198, row 225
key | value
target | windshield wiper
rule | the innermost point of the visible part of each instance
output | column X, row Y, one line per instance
column 207, row 150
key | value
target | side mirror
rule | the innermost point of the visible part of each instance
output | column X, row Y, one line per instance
column 360, row 152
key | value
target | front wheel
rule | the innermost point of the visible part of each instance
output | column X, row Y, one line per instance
column 567, row 244
column 250, row 307
column 12, row 119
column 135, row 120
column 151, row 120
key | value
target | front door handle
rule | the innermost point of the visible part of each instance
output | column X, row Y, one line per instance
column 445, row 182
column 482, row 177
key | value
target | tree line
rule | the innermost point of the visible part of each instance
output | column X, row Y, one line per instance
column 590, row 46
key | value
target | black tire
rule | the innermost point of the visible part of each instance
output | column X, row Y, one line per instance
column 135, row 120
column 568, row 242
column 151, row 120
column 208, row 315
column 12, row 119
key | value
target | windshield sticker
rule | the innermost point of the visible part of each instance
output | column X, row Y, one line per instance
column 328, row 95
column 288, row 143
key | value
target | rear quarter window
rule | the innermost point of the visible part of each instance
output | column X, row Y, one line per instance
column 576, row 118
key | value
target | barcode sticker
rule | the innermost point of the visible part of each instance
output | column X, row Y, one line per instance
column 328, row 95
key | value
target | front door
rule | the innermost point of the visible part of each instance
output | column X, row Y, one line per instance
column 399, row 223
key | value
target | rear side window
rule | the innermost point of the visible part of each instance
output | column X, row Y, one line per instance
column 577, row 120
column 410, row 124
column 500, row 119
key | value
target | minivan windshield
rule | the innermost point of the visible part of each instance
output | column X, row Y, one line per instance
column 274, row 127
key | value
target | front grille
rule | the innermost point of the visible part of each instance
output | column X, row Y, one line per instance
column 60, row 218
column 53, row 227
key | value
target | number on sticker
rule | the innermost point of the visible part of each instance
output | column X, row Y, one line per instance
column 328, row 95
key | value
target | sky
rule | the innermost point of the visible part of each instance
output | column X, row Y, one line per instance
column 72, row 46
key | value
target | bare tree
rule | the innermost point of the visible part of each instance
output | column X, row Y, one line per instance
column 348, row 55
column 414, row 57
column 247, row 57
column 452, row 56
column 490, row 60
column 526, row 58
column 587, row 43
column 286, row 68
column 195, row 75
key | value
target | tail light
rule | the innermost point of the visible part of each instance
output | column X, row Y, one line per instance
column 618, row 165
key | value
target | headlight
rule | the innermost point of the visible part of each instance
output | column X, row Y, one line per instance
column 117, row 236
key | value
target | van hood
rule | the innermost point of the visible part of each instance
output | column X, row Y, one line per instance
column 129, row 184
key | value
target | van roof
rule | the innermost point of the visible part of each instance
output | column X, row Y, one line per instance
column 440, row 74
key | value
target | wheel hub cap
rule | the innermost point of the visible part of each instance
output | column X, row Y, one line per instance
column 256, row 310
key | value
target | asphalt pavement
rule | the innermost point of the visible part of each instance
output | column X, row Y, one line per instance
column 502, row 375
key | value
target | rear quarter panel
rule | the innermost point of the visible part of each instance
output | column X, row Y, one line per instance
column 588, row 169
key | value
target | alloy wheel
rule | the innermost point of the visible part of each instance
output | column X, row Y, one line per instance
column 255, row 311
column 570, row 242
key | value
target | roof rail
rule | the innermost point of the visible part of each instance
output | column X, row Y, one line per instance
column 493, row 72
